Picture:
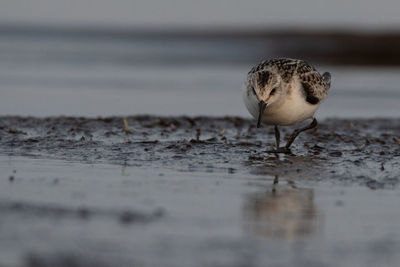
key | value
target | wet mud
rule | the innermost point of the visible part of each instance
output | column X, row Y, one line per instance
column 364, row 151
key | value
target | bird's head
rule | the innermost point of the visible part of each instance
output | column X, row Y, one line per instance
column 267, row 88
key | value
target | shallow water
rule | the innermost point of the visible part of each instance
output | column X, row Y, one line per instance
column 207, row 219
column 78, row 75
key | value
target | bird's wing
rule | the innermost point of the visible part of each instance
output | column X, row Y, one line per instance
column 314, row 85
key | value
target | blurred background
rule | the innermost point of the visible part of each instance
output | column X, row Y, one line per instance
column 180, row 57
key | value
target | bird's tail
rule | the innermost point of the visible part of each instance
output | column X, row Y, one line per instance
column 327, row 79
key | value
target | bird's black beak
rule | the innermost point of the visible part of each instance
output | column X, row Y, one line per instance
column 261, row 107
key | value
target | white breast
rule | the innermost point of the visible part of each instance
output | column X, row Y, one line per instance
column 291, row 110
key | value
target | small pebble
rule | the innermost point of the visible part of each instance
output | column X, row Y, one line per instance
column 336, row 154
column 231, row 170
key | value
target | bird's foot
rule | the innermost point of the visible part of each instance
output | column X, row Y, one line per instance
column 284, row 150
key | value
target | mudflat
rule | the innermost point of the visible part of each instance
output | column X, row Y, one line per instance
column 197, row 191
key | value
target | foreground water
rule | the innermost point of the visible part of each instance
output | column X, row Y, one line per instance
column 199, row 191
column 59, row 213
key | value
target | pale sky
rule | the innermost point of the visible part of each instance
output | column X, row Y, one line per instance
column 366, row 14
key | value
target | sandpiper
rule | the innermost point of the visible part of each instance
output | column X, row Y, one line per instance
column 285, row 91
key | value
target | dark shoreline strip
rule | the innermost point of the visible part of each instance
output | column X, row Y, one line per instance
column 332, row 46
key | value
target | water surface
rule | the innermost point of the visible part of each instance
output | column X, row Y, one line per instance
column 46, row 74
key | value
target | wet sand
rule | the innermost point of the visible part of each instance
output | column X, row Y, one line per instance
column 197, row 191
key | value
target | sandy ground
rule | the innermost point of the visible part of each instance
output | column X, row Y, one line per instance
column 197, row 191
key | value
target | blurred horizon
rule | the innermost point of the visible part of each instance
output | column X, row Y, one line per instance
column 335, row 47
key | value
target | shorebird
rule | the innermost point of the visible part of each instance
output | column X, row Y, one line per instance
column 285, row 91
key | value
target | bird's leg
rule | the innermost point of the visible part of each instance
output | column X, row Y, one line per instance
column 277, row 137
column 296, row 132
column 278, row 140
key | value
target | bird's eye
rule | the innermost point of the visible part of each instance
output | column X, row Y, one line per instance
column 273, row 91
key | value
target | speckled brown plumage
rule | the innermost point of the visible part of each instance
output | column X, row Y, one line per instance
column 315, row 85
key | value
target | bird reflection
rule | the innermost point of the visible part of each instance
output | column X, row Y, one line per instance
column 283, row 211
